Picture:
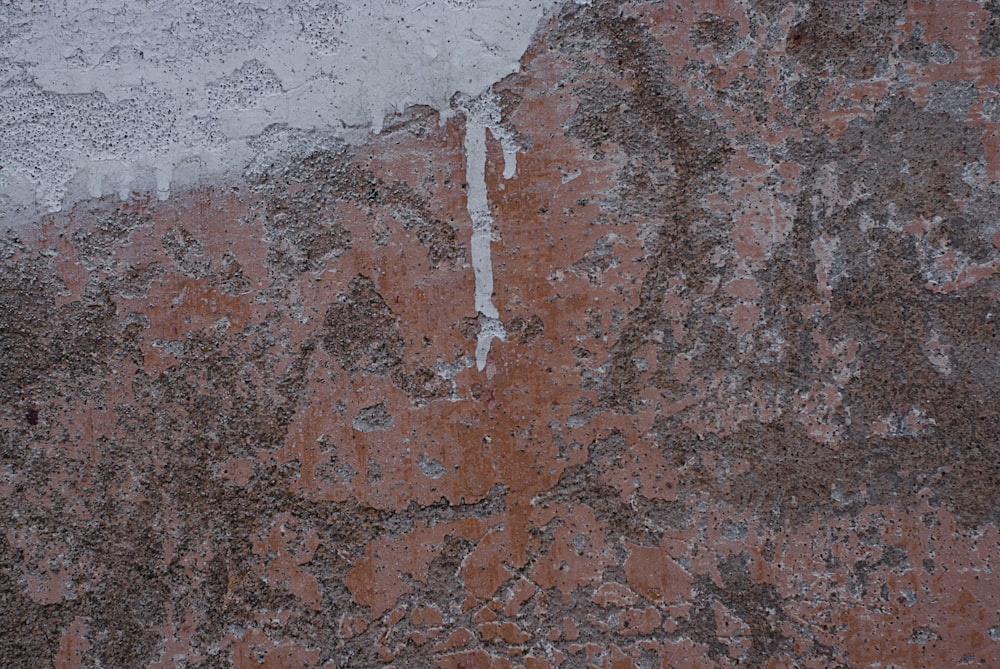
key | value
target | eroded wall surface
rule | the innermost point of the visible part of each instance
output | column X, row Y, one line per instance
column 678, row 348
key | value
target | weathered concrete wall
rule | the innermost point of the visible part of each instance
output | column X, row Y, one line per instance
column 677, row 348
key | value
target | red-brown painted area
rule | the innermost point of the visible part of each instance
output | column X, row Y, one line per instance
column 745, row 413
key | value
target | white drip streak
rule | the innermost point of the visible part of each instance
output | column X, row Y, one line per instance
column 478, row 206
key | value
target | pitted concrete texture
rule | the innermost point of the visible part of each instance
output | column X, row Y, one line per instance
column 738, row 404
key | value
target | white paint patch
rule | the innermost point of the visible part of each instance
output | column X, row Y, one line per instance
column 101, row 97
column 483, row 113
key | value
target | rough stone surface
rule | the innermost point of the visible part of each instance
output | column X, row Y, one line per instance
column 746, row 411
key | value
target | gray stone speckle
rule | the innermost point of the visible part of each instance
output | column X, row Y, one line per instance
column 372, row 418
column 952, row 97
column 431, row 468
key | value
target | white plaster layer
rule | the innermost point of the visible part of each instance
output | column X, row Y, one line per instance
column 99, row 96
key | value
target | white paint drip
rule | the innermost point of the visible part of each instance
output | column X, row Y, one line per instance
column 483, row 113
column 482, row 231
column 485, row 110
column 101, row 97
column 482, row 222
